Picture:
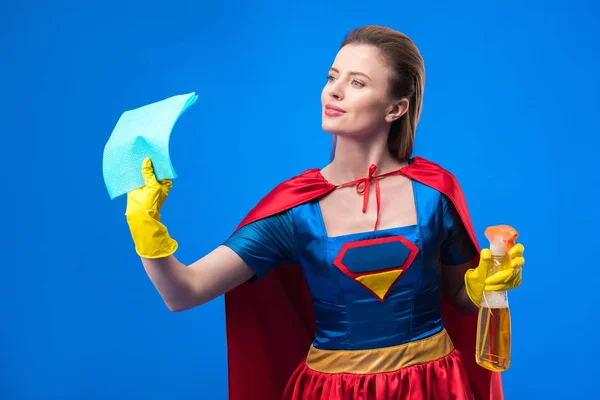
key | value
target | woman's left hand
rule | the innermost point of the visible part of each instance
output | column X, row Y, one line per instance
column 509, row 278
column 477, row 281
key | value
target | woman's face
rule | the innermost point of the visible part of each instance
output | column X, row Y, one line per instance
column 355, row 99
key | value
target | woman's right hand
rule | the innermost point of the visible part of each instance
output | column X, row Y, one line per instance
column 181, row 287
column 151, row 238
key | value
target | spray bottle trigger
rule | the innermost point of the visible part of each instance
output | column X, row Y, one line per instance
column 508, row 234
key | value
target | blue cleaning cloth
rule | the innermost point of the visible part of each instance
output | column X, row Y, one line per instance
column 140, row 133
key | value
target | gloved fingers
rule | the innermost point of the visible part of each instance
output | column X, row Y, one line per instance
column 518, row 280
column 497, row 288
column 500, row 277
column 517, row 262
column 516, row 251
column 165, row 185
column 513, row 283
column 485, row 257
column 148, row 173
column 504, row 280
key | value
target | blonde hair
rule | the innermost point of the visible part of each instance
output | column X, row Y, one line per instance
column 407, row 80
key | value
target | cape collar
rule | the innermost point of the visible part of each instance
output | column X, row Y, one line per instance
column 363, row 186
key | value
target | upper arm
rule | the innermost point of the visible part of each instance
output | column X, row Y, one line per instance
column 457, row 247
column 266, row 243
column 458, row 253
column 251, row 251
column 217, row 273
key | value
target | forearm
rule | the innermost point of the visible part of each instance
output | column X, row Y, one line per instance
column 463, row 302
column 183, row 287
column 454, row 286
column 173, row 280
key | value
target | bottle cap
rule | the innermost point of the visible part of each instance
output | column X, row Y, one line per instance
column 502, row 238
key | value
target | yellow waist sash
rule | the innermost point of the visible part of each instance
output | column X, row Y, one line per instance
column 387, row 359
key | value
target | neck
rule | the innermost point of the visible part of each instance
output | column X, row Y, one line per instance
column 354, row 156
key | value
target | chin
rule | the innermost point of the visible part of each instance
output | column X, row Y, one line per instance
column 339, row 131
column 332, row 128
column 340, row 128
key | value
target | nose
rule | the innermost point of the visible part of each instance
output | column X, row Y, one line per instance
column 335, row 95
column 335, row 92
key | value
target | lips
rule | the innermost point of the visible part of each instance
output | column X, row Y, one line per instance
column 334, row 108
column 333, row 111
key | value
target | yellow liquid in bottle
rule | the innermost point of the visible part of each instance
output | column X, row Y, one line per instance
column 493, row 338
column 493, row 326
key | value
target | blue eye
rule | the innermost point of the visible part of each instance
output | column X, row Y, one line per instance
column 357, row 83
column 330, row 78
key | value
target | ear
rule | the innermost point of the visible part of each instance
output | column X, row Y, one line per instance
column 398, row 109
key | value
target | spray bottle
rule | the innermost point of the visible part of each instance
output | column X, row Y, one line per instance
column 493, row 323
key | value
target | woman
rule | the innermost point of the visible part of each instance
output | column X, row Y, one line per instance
column 344, row 283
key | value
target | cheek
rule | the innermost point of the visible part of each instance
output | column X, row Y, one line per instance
column 368, row 108
column 324, row 95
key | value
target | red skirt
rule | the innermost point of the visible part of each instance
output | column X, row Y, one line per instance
column 444, row 378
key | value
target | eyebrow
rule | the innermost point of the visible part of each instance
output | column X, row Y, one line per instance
column 351, row 73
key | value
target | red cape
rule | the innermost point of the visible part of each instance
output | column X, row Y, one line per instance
column 270, row 322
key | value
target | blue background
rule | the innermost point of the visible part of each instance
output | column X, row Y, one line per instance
column 511, row 105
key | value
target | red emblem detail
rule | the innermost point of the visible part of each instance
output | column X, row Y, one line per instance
column 414, row 250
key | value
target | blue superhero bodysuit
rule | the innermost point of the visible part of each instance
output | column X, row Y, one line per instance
column 375, row 292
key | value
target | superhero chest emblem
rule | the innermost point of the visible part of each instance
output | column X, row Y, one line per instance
column 376, row 264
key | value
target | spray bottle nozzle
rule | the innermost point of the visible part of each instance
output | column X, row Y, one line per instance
column 502, row 238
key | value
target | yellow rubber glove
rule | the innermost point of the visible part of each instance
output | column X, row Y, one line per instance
column 477, row 281
column 150, row 236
